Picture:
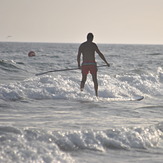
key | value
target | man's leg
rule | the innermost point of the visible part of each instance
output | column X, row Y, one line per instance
column 94, row 77
column 84, row 78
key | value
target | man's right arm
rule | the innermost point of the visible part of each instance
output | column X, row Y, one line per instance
column 78, row 56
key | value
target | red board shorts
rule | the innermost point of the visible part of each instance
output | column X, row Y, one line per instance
column 89, row 67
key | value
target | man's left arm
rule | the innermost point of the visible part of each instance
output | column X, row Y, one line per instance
column 102, row 56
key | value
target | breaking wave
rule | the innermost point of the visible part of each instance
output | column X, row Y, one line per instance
column 33, row 145
column 61, row 87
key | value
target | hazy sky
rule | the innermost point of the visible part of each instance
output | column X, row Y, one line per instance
column 111, row 21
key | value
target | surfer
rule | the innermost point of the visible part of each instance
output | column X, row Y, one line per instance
column 88, row 49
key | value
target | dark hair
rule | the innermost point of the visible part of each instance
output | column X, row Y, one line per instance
column 90, row 36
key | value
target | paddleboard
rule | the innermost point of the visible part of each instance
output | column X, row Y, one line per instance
column 136, row 98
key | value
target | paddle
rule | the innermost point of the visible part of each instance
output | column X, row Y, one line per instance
column 68, row 69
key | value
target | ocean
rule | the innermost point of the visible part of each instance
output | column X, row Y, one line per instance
column 47, row 119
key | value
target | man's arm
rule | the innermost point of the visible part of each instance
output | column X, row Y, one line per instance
column 78, row 57
column 102, row 56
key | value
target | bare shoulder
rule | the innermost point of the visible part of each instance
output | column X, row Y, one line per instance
column 82, row 45
column 95, row 45
column 88, row 45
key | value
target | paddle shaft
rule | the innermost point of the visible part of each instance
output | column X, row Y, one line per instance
column 68, row 69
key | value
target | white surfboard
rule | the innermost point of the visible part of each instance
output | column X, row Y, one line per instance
column 135, row 98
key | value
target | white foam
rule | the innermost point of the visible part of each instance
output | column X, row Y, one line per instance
column 38, row 145
column 160, row 74
column 63, row 87
column 123, row 138
column 30, row 145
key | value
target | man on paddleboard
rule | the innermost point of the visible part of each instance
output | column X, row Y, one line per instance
column 88, row 49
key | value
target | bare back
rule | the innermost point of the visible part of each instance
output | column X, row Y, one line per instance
column 88, row 50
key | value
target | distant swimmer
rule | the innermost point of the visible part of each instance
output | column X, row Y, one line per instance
column 31, row 54
column 88, row 49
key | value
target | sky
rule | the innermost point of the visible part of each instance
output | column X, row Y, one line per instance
column 69, row 21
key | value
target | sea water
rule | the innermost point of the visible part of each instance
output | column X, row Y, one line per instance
column 47, row 119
